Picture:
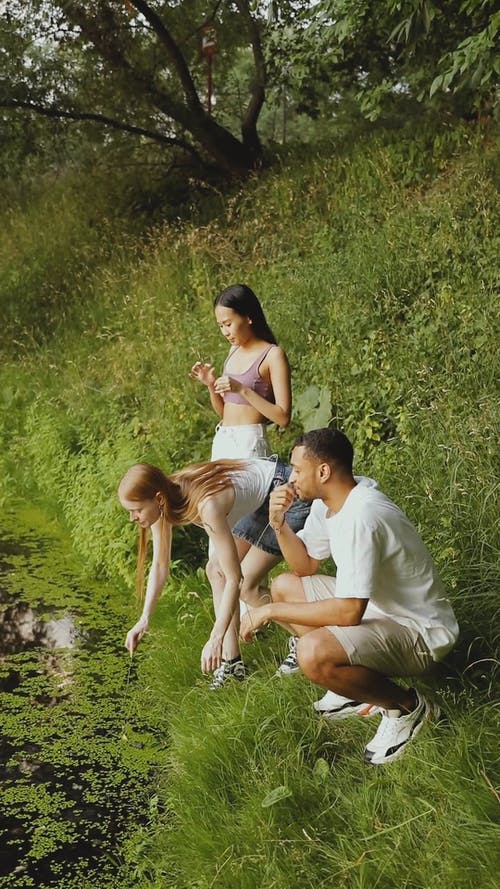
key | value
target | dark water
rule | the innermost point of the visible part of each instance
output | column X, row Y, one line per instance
column 75, row 759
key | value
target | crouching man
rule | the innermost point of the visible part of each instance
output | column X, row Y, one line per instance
column 385, row 613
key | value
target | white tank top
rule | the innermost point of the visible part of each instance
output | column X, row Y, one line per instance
column 251, row 486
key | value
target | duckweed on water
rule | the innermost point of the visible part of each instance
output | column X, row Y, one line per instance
column 77, row 756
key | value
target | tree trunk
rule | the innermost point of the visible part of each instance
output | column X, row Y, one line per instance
column 233, row 156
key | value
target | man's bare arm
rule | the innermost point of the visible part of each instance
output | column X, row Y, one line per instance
column 328, row 612
column 293, row 549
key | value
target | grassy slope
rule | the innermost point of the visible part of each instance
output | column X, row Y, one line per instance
column 376, row 266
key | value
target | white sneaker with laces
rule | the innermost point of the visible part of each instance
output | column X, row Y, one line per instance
column 333, row 706
column 290, row 665
column 397, row 729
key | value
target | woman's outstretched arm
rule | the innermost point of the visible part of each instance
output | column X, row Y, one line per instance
column 157, row 578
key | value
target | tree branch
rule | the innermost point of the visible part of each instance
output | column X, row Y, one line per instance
column 103, row 31
column 174, row 53
column 249, row 123
column 210, row 17
column 111, row 122
column 107, row 43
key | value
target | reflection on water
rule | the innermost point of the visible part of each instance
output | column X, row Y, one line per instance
column 21, row 628
column 69, row 786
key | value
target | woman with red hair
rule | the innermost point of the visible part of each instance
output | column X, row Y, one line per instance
column 215, row 496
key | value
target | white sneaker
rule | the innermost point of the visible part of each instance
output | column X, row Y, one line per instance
column 333, row 706
column 397, row 729
column 290, row 665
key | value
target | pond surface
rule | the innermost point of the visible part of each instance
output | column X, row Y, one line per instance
column 74, row 775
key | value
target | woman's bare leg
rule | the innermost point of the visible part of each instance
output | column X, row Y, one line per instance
column 230, row 645
column 289, row 588
column 255, row 566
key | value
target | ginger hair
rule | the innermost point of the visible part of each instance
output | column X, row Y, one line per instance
column 179, row 496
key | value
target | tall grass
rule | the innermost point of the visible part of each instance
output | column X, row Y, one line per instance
column 259, row 792
column 376, row 266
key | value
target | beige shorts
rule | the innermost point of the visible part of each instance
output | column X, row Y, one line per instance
column 378, row 643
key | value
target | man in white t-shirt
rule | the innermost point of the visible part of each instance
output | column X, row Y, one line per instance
column 385, row 613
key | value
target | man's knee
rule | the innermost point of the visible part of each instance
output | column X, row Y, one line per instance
column 283, row 586
column 309, row 652
column 318, row 650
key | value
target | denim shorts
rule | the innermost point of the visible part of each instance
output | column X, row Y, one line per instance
column 255, row 528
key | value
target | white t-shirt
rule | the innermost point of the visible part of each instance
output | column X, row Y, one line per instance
column 380, row 556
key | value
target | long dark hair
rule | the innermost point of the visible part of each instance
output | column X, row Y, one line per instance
column 242, row 300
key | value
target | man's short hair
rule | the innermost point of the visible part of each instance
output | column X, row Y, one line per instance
column 328, row 446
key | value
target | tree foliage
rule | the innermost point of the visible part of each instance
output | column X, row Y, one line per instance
column 379, row 50
column 134, row 67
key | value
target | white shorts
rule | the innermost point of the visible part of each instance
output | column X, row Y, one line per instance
column 378, row 643
column 240, row 442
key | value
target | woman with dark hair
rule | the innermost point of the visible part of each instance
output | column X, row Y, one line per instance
column 214, row 496
column 254, row 389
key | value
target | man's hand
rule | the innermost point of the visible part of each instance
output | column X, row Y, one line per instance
column 251, row 622
column 135, row 635
column 280, row 500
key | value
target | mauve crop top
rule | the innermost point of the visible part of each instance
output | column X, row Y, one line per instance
column 252, row 379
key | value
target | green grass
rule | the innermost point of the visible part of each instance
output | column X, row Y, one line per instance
column 259, row 792
column 376, row 264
